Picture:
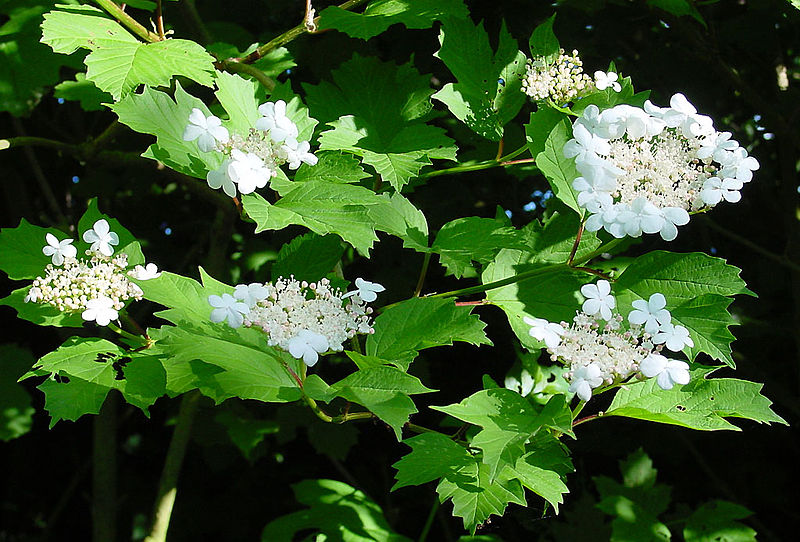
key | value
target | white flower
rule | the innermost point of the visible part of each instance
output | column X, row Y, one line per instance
column 308, row 345
column 101, row 238
column 34, row 295
column 220, row 178
column 682, row 114
column 543, row 330
column 206, row 130
column 716, row 189
column 297, row 153
column 523, row 386
column 716, row 146
column 603, row 80
column 250, row 293
column 366, row 290
column 274, row 120
column 247, row 171
column 641, row 216
column 147, row 272
column 673, row 217
column 101, row 310
column 738, row 165
column 586, row 147
column 674, row 337
column 595, row 186
column 599, row 299
column 59, row 249
column 227, row 307
column 668, row 371
column 584, row 379
column 651, row 313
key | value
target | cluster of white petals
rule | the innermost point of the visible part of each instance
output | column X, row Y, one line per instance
column 560, row 81
column 97, row 287
column 305, row 319
column 599, row 350
column 644, row 169
column 252, row 159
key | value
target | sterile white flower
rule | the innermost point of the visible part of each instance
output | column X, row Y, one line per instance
column 674, row 337
column 206, row 130
column 101, row 310
column 542, row 330
column 738, row 165
column 668, row 372
column 716, row 189
column 603, row 80
column 308, row 345
column 599, row 299
column 247, row 171
column 297, row 153
column 651, row 313
column 274, row 120
column 33, row 295
column 641, row 216
column 586, row 147
column 250, row 293
column 523, row 385
column 673, row 217
column 366, row 290
column 101, row 238
column 220, row 178
column 227, row 308
column 147, row 272
column 716, row 146
column 584, row 379
column 58, row 249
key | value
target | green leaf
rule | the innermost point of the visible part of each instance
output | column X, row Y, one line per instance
column 543, row 42
column 21, row 255
column 337, row 511
column 432, row 456
column 71, row 400
column 552, row 240
column 308, row 257
column 383, row 390
column 422, row 322
column 238, row 97
column 488, row 93
column 380, row 118
column 398, row 216
column 39, row 313
column 84, row 91
column 464, row 240
column 701, row 404
column 333, row 167
column 543, row 470
column 381, row 14
column 475, row 497
column 542, row 122
column 246, row 432
column 118, row 62
column 715, row 521
column 707, row 319
column 16, row 408
column 156, row 113
column 559, row 170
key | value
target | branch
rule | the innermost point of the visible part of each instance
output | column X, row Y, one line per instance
column 127, row 21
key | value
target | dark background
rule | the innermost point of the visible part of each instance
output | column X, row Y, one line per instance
column 727, row 70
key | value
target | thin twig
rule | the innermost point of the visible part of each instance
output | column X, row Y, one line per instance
column 422, row 272
column 575, row 244
column 113, row 9
column 160, row 20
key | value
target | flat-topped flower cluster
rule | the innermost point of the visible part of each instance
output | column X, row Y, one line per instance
column 600, row 350
column 97, row 287
column 644, row 169
column 563, row 80
column 251, row 159
column 305, row 319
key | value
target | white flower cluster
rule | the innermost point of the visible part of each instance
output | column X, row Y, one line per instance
column 561, row 81
column 599, row 351
column 251, row 160
column 305, row 319
column 97, row 287
column 644, row 170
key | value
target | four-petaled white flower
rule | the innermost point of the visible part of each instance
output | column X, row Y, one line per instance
column 523, row 385
column 651, row 313
column 668, row 372
column 641, row 216
column 584, row 379
column 542, row 330
column 274, row 120
column 586, row 147
column 34, row 295
column 603, row 80
column 227, row 307
column 308, row 345
column 248, row 171
column 146, row 272
column 206, row 130
column 739, row 165
column 366, row 290
column 250, row 294
column 58, row 249
column 101, row 238
column 716, row 146
column 297, row 153
column 101, row 310
column 716, row 189
column 598, row 299
column 674, row 337
column 220, row 178
column 673, row 217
